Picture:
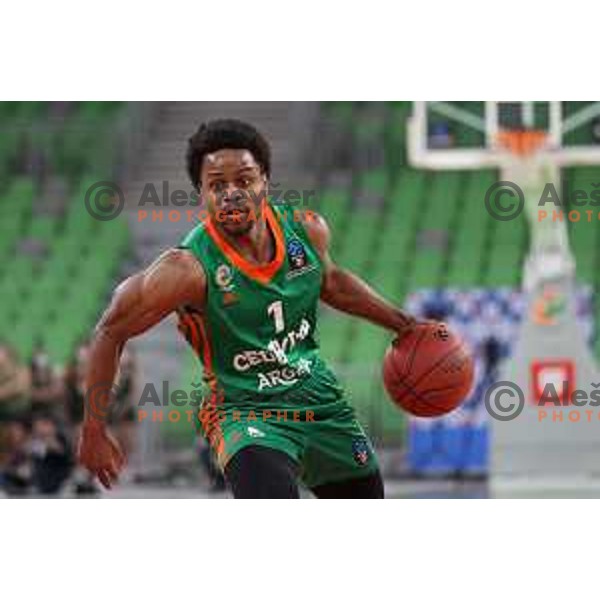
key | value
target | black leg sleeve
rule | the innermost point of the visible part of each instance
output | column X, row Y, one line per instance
column 260, row 472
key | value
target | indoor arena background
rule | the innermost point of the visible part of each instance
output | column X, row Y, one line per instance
column 420, row 237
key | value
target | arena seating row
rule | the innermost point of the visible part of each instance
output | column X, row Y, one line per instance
column 68, row 138
column 55, row 297
column 56, row 267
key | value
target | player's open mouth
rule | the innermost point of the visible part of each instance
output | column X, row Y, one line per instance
column 236, row 215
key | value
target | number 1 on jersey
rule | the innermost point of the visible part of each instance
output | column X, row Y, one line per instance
column 275, row 310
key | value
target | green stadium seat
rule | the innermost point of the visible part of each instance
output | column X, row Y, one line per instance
column 333, row 333
column 359, row 238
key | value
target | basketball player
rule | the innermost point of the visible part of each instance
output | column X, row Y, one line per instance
column 245, row 284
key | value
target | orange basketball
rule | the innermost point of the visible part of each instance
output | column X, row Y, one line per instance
column 429, row 372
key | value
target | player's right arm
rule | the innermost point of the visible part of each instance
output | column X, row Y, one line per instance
column 175, row 279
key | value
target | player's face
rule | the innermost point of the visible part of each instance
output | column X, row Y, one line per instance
column 233, row 186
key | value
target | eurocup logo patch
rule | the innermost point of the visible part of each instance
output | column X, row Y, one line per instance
column 360, row 451
column 224, row 281
column 296, row 254
column 223, row 277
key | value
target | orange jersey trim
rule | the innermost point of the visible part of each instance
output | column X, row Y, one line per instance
column 198, row 338
column 208, row 415
column 261, row 273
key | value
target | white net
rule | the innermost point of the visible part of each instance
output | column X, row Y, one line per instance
column 549, row 256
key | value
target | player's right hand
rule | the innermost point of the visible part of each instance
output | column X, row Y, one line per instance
column 100, row 453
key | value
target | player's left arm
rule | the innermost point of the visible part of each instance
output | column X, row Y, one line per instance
column 347, row 292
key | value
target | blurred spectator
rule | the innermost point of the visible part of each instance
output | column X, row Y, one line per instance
column 14, row 395
column 492, row 352
column 17, row 471
column 52, row 459
column 15, row 385
column 47, row 395
column 73, row 383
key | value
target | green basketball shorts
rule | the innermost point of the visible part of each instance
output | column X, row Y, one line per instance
column 324, row 438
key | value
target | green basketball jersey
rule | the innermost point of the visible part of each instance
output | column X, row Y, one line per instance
column 257, row 334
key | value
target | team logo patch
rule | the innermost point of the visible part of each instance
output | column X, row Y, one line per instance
column 296, row 254
column 360, row 451
column 297, row 259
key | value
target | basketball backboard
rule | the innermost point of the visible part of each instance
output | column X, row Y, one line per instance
column 474, row 135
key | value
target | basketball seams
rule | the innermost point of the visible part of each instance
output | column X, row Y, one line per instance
column 414, row 352
column 397, row 376
column 409, row 356
column 417, row 396
column 445, row 389
column 456, row 346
